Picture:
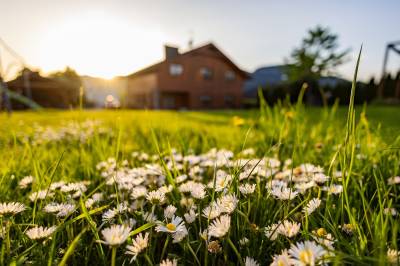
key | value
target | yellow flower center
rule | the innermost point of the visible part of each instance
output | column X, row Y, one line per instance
column 281, row 263
column 171, row 227
column 305, row 256
column 321, row 232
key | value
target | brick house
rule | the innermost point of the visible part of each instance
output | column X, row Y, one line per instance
column 47, row 92
column 202, row 78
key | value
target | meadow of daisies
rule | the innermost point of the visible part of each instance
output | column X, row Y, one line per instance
column 267, row 187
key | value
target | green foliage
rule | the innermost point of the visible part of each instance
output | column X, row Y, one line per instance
column 363, row 143
column 317, row 55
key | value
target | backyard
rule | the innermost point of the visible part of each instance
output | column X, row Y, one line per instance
column 217, row 187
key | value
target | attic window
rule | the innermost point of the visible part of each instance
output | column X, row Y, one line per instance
column 175, row 69
column 229, row 75
column 206, row 73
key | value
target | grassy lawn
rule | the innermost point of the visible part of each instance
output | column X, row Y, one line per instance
column 260, row 181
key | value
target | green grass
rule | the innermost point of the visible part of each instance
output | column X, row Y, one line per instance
column 367, row 157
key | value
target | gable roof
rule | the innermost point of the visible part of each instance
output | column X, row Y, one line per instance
column 154, row 67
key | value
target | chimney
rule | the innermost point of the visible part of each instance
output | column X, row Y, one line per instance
column 170, row 52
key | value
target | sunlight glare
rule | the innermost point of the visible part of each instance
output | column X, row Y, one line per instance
column 100, row 45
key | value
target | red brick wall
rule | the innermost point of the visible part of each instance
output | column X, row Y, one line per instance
column 190, row 86
column 192, row 81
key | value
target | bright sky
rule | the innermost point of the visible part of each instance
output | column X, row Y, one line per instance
column 108, row 38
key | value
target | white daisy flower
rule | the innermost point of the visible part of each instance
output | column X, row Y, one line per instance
column 156, row 197
column 190, row 217
column 393, row 256
column 394, row 180
column 96, row 197
column 139, row 244
column 212, row 211
column 176, row 225
column 250, row 262
column 109, row 215
column 323, row 238
column 283, row 259
column 227, row 203
column 244, row 241
column 25, row 182
column 307, row 253
column 74, row 187
column 56, row 185
column 40, row 232
column 271, row 231
column 223, row 180
column 334, row 189
column 187, row 202
column 62, row 209
column 11, row 208
column 40, row 195
column 289, row 229
column 181, row 178
column 320, row 178
column 220, row 226
column 284, row 193
column 150, row 217
column 168, row 262
column 311, row 206
column 247, row 189
column 390, row 211
column 165, row 189
column 169, row 211
column 304, row 186
column 115, row 235
column 198, row 192
column 138, row 192
column 179, row 235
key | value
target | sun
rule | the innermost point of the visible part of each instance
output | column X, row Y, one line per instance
column 100, row 45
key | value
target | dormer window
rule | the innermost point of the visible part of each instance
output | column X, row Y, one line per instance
column 206, row 73
column 229, row 75
column 175, row 69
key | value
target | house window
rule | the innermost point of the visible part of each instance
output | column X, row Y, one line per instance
column 175, row 69
column 229, row 100
column 229, row 75
column 206, row 73
column 168, row 102
column 205, row 100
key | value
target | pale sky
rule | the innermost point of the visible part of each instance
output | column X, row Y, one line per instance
column 108, row 38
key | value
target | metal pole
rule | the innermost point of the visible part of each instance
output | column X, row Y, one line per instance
column 383, row 76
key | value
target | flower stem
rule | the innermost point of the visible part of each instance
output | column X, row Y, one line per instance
column 164, row 248
column 236, row 251
column 148, row 259
column 113, row 255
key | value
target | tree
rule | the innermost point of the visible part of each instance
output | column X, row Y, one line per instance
column 73, row 82
column 317, row 55
column 69, row 75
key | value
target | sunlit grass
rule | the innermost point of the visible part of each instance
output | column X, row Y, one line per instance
column 360, row 142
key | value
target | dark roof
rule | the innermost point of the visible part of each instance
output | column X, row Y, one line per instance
column 272, row 76
column 154, row 67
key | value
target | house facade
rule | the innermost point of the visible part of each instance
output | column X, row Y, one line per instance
column 47, row 92
column 202, row 78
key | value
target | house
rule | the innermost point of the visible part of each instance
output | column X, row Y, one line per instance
column 47, row 92
column 272, row 78
column 201, row 78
